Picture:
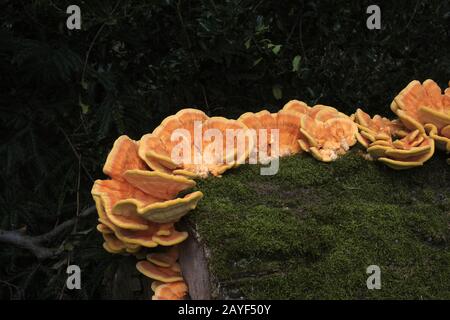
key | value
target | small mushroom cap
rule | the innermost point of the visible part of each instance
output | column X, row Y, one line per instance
column 175, row 237
column 403, row 154
column 158, row 184
column 109, row 249
column 123, row 156
column 164, row 259
column 297, row 106
column 327, row 140
column 377, row 126
column 171, row 291
column 155, row 284
column 400, row 165
column 112, row 191
column 368, row 136
column 104, row 229
column 362, row 140
column 166, row 211
column 158, row 273
column 153, row 151
column 377, row 151
column 420, row 104
column 129, row 207
column 113, row 242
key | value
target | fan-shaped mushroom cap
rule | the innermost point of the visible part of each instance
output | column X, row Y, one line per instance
column 123, row 156
column 154, row 234
column 102, row 228
column 164, row 259
column 409, row 152
column 109, row 249
column 297, row 106
column 203, row 138
column 420, row 104
column 170, row 291
column 155, row 284
column 113, row 243
column 175, row 237
column 268, row 120
column 400, row 165
column 376, row 128
column 158, row 184
column 288, row 124
column 287, row 121
column 153, row 151
column 158, row 273
column 143, row 238
column 328, row 139
column 129, row 207
column 326, row 110
column 325, row 113
column 112, row 191
column 251, row 121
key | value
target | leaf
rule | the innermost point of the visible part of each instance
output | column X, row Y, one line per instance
column 296, row 63
column 247, row 44
column 276, row 49
column 84, row 107
column 277, row 91
column 257, row 61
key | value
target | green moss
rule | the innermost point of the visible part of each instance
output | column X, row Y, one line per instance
column 311, row 230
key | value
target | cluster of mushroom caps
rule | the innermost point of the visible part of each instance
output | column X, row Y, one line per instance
column 148, row 191
column 423, row 122
column 137, row 209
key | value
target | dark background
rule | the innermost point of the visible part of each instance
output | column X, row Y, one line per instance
column 67, row 95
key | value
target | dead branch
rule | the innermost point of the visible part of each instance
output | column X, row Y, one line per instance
column 35, row 244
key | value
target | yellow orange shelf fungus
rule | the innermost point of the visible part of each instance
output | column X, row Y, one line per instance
column 326, row 133
column 423, row 106
column 169, row 291
column 192, row 144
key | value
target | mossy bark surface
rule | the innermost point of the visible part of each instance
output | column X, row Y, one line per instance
column 311, row 230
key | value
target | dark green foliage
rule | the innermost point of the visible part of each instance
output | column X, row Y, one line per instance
column 311, row 230
column 67, row 95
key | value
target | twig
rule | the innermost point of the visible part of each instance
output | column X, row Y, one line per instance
column 204, row 96
column 76, row 153
column 35, row 243
column 91, row 45
column 78, row 195
column 413, row 15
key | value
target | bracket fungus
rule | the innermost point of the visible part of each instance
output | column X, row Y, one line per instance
column 267, row 127
column 163, row 268
column 378, row 135
column 326, row 133
column 137, row 207
column 192, row 144
column 376, row 128
column 424, row 107
column 408, row 152
column 169, row 291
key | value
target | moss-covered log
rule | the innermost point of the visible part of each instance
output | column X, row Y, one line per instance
column 311, row 231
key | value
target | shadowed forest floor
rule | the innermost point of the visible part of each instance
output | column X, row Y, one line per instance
column 310, row 231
